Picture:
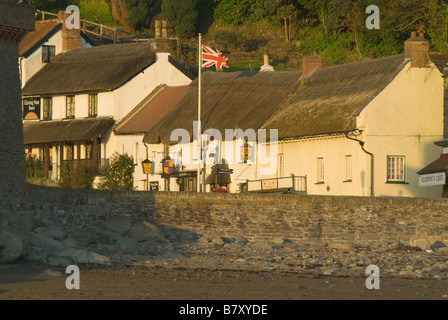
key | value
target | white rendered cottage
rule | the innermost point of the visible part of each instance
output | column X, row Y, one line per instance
column 82, row 93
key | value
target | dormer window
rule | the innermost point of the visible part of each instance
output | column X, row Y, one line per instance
column 48, row 52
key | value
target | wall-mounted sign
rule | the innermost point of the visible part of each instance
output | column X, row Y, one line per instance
column 432, row 179
column 154, row 186
column 168, row 167
column 269, row 184
column 31, row 108
column 146, row 166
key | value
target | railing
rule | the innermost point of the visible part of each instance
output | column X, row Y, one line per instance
column 291, row 184
column 97, row 29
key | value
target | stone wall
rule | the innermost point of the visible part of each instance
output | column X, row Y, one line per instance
column 361, row 220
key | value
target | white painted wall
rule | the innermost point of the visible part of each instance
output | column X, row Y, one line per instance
column 405, row 119
column 33, row 62
column 134, row 91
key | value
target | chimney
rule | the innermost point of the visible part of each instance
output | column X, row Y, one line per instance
column 416, row 48
column 71, row 34
column 310, row 63
column 266, row 66
column 372, row 54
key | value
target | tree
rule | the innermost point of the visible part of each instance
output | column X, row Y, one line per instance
column 119, row 174
column 141, row 12
column 182, row 14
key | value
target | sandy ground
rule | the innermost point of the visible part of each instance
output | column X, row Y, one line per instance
column 31, row 281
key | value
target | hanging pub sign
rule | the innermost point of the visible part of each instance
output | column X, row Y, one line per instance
column 31, row 108
column 247, row 153
column 147, row 166
column 168, row 167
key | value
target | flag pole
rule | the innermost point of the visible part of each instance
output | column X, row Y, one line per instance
column 199, row 146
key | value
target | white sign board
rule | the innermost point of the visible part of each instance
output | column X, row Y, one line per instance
column 432, row 179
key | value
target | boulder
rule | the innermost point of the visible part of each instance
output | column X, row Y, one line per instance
column 118, row 224
column 47, row 244
column 146, row 231
column 51, row 232
column 11, row 245
column 83, row 256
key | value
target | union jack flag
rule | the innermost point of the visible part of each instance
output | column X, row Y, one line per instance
column 211, row 57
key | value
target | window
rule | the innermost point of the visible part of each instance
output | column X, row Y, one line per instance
column 70, row 106
column 348, row 168
column 396, row 168
column 320, row 170
column 93, row 105
column 89, row 149
column 70, row 152
column 280, row 165
column 47, row 108
column 48, row 52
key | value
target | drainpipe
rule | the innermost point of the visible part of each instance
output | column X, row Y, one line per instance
column 361, row 143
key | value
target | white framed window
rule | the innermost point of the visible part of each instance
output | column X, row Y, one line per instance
column 396, row 168
column 70, row 106
column 320, row 170
column 348, row 167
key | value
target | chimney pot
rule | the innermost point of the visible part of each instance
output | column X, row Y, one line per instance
column 413, row 34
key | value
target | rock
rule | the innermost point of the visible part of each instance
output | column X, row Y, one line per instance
column 51, row 232
column 47, row 244
column 146, row 231
column 83, row 256
column 240, row 239
column 438, row 244
column 422, row 243
column 34, row 254
column 60, row 261
column 118, row 224
column 51, row 273
column 218, row 241
column 407, row 274
column 204, row 240
column 341, row 245
column 261, row 245
column 83, row 236
column 277, row 240
column 12, row 245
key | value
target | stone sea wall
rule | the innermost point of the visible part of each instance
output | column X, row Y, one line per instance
column 298, row 218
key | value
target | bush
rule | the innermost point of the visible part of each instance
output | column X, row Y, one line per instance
column 33, row 167
column 119, row 174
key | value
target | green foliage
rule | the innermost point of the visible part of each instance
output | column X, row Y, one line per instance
column 84, row 180
column 119, row 174
column 53, row 5
column 182, row 14
column 96, row 12
column 236, row 11
column 141, row 12
column 33, row 167
column 228, row 40
column 65, row 179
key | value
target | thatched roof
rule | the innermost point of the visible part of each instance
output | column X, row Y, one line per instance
column 92, row 69
column 43, row 31
column 330, row 98
column 36, row 132
column 230, row 100
column 151, row 110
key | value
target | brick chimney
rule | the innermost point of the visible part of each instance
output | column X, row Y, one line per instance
column 416, row 48
column 310, row 63
column 71, row 37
